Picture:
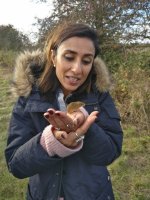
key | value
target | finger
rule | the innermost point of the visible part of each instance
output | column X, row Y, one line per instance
column 59, row 122
column 94, row 113
column 55, row 119
column 60, row 135
column 75, row 121
column 46, row 115
column 59, row 119
column 89, row 121
column 66, row 121
column 70, row 140
column 66, row 118
column 50, row 118
column 64, row 135
column 51, row 111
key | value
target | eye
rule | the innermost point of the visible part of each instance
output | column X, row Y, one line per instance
column 87, row 62
column 69, row 57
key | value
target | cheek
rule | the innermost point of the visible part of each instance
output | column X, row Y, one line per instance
column 87, row 71
column 61, row 65
column 59, row 68
column 59, row 73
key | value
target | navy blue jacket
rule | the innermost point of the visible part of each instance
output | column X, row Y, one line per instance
column 83, row 175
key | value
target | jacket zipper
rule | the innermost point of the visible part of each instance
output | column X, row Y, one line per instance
column 60, row 181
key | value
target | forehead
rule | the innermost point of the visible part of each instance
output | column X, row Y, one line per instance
column 81, row 45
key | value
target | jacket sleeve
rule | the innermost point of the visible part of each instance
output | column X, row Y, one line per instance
column 24, row 154
column 103, row 141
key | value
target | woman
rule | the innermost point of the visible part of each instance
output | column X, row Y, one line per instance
column 73, row 166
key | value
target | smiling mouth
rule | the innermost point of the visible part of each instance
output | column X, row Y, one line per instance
column 73, row 80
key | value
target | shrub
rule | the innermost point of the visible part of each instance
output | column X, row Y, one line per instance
column 132, row 95
column 7, row 58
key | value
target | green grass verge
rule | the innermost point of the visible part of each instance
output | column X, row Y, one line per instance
column 131, row 172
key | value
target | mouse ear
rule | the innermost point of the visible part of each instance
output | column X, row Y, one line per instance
column 73, row 106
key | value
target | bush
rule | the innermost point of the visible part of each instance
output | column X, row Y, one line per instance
column 7, row 58
column 127, row 57
column 132, row 95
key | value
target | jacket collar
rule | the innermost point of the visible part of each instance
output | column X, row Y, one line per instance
column 38, row 103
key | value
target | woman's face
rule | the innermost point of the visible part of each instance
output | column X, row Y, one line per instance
column 73, row 61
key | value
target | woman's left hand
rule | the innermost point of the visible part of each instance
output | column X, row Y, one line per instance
column 71, row 140
column 60, row 120
column 65, row 121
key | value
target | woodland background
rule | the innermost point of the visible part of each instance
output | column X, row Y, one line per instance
column 124, row 38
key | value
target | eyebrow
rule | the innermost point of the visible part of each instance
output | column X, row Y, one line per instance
column 74, row 52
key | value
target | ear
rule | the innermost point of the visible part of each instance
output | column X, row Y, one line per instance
column 53, row 57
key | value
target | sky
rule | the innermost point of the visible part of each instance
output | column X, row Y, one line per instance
column 21, row 14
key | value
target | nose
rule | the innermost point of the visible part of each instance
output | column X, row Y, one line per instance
column 77, row 67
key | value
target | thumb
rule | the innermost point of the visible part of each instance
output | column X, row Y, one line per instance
column 88, row 122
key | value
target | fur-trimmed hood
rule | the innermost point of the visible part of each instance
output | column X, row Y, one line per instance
column 29, row 66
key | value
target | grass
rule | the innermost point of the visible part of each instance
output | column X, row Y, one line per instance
column 10, row 187
column 130, row 173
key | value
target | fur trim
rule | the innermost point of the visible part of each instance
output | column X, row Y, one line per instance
column 103, row 79
column 24, row 77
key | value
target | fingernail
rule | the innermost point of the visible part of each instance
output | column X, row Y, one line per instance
column 97, row 114
column 58, row 114
column 51, row 112
column 53, row 129
column 46, row 116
